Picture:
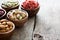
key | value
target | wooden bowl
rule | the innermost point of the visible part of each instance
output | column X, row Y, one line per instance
column 19, row 23
column 3, row 16
column 7, row 35
column 33, row 12
column 10, row 8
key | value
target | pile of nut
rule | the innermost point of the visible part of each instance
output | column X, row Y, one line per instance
column 16, row 15
column 9, row 4
column 5, row 25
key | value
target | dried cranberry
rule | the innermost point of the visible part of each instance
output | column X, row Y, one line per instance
column 30, row 5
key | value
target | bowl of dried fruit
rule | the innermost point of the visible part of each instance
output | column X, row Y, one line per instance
column 6, row 29
column 2, row 13
column 18, row 17
column 32, row 7
column 9, row 5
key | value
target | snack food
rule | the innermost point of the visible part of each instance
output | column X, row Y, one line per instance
column 16, row 15
column 5, row 25
column 6, row 29
column 19, row 17
column 31, row 6
column 10, row 5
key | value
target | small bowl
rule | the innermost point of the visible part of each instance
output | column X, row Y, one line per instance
column 33, row 12
column 3, row 16
column 10, row 8
column 8, row 34
column 21, row 22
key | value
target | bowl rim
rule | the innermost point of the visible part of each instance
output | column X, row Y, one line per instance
column 20, row 10
column 4, row 13
column 30, row 10
column 9, row 30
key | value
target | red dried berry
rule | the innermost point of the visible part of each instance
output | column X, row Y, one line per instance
column 30, row 5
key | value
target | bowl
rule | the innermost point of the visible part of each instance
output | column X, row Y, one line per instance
column 6, row 34
column 32, row 7
column 33, row 12
column 9, row 5
column 18, row 22
column 2, row 13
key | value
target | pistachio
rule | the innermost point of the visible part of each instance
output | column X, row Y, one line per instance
column 20, row 17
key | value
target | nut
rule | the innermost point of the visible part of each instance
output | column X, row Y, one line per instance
column 4, row 23
column 4, row 20
column 9, row 23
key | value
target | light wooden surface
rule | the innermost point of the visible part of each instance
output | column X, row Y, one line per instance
column 48, row 20
column 47, row 23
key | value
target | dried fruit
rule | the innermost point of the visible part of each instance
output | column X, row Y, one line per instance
column 30, row 5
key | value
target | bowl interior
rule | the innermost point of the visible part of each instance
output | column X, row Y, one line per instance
column 9, row 31
column 22, row 11
column 30, row 10
column 3, row 14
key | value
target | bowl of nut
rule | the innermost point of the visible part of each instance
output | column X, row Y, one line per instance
column 6, row 29
column 18, row 17
column 9, row 5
